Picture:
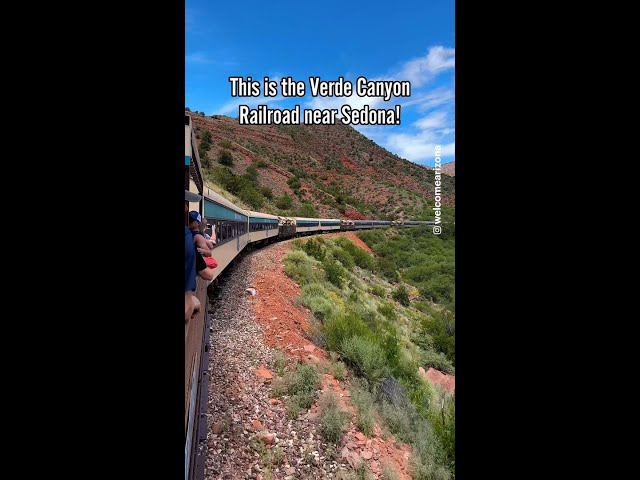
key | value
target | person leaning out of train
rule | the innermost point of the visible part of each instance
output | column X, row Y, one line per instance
column 203, row 245
column 191, row 303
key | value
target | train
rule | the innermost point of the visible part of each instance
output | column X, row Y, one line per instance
column 236, row 229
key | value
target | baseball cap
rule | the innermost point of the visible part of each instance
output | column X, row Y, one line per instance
column 191, row 197
column 193, row 215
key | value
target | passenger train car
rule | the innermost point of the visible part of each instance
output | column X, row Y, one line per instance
column 235, row 229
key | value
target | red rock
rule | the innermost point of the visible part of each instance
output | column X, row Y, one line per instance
column 367, row 455
column 257, row 425
column 353, row 459
column 360, row 436
column 375, row 467
column 345, row 452
column 314, row 359
column 264, row 373
column 274, row 401
column 267, row 438
column 216, row 428
column 362, row 442
column 290, row 470
column 309, row 348
column 351, row 446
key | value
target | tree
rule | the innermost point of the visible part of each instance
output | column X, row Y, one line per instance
column 284, row 202
column 226, row 158
column 307, row 210
column 294, row 183
column 266, row 191
column 251, row 196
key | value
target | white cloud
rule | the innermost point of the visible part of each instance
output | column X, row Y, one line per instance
column 417, row 147
column 420, row 70
column 435, row 98
column 433, row 121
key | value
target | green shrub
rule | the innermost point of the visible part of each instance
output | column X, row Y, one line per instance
column 323, row 308
column 361, row 258
column 343, row 257
column 388, row 310
column 388, row 473
column 441, row 328
column 332, row 419
column 251, row 196
column 391, row 350
column 314, row 248
column 307, row 210
column 360, row 473
column 366, row 356
column 301, row 386
column 378, row 291
column 251, row 174
column 294, row 183
column 443, row 419
column 284, row 202
column 364, row 402
column 226, row 144
column 267, row 192
column 261, row 164
column 339, row 370
column 388, row 270
column 337, row 330
column 299, row 266
column 280, row 362
column 225, row 158
column 335, row 273
column 438, row 361
column 401, row 295
column 203, row 152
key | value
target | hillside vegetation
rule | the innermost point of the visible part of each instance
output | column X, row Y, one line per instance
column 384, row 329
column 314, row 170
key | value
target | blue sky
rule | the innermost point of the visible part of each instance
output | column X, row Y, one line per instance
column 411, row 40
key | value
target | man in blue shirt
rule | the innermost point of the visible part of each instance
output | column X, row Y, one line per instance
column 191, row 303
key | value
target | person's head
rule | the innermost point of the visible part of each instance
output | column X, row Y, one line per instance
column 194, row 220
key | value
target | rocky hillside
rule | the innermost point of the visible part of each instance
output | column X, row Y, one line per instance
column 449, row 169
column 314, row 170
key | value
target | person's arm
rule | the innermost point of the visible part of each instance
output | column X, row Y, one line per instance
column 202, row 246
column 196, row 305
column 206, row 274
column 210, row 244
column 201, row 267
column 188, row 306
